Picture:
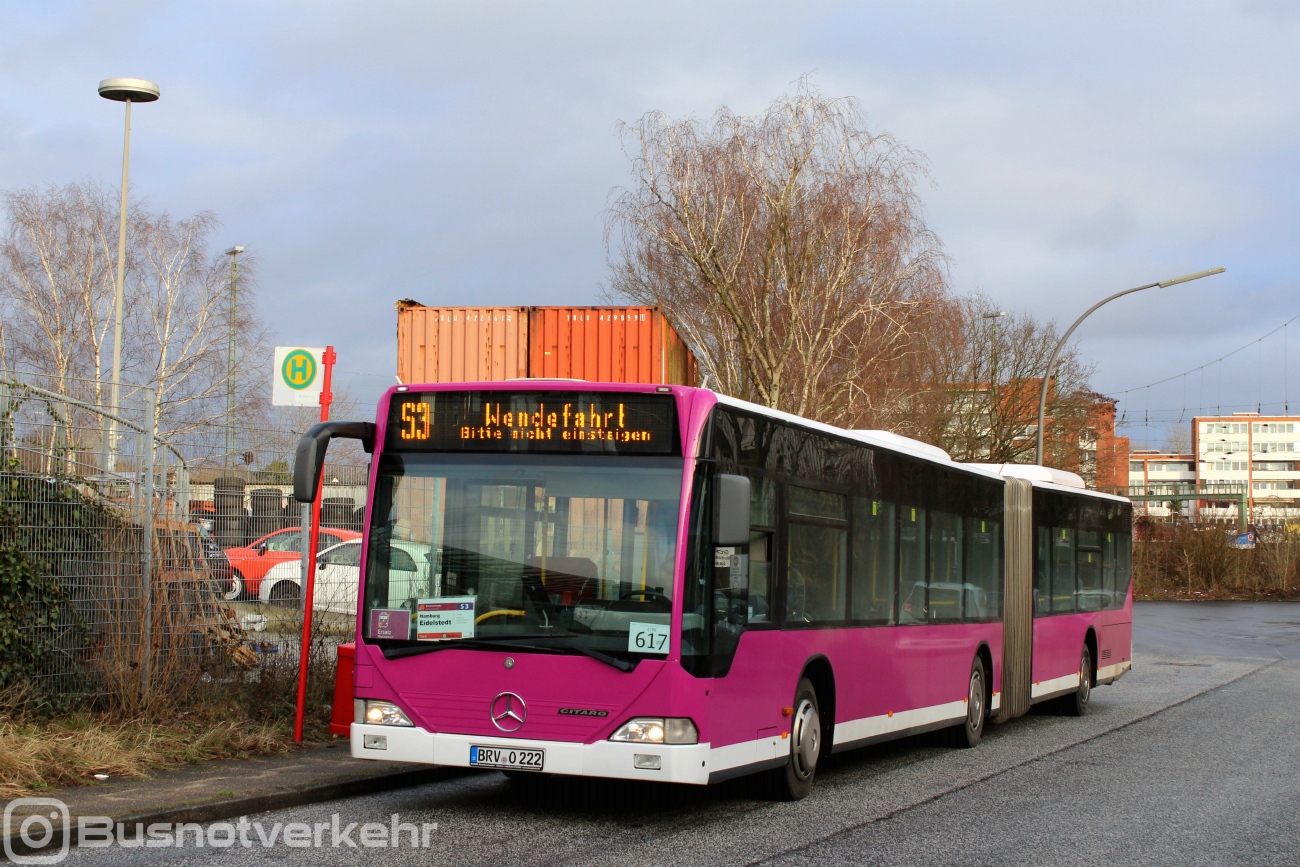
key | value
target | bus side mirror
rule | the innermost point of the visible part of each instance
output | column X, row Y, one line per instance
column 309, row 457
column 731, row 514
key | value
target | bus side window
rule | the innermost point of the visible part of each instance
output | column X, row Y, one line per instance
column 1063, row 583
column 1043, row 573
column 817, row 567
column 873, row 561
column 911, row 564
column 1088, row 569
column 983, row 550
column 1123, row 567
column 1108, row 570
column 946, row 588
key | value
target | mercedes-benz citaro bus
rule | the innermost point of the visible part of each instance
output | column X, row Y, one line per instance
column 664, row 583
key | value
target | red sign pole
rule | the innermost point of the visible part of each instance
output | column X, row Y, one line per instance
column 313, row 542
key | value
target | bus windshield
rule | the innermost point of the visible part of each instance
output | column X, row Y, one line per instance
column 468, row 549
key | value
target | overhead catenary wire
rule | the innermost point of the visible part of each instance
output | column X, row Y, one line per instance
column 1218, row 360
column 1170, row 413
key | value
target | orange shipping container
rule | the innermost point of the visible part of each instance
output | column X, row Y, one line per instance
column 607, row 344
column 461, row 344
column 486, row 344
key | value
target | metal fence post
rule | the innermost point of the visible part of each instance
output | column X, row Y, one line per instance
column 4, row 414
column 146, row 560
column 307, row 566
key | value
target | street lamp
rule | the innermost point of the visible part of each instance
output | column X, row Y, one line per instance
column 1051, row 365
column 127, row 90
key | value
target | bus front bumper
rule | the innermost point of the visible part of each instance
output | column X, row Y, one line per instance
column 678, row 763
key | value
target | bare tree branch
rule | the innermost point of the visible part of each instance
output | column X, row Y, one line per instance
column 788, row 249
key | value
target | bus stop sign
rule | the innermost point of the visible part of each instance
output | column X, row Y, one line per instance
column 298, row 376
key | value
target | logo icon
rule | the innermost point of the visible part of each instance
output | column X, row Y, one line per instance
column 508, row 712
column 299, row 369
column 41, row 824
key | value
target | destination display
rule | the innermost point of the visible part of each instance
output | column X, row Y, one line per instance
column 563, row 422
column 444, row 617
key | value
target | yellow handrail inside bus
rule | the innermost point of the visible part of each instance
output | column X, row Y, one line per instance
column 500, row 612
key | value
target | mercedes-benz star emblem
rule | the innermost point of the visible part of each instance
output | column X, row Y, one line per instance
column 508, row 712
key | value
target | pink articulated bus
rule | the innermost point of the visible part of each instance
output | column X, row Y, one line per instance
column 663, row 583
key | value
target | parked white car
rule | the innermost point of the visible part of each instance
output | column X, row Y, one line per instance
column 338, row 576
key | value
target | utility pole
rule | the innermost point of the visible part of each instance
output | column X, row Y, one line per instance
column 993, row 383
column 231, row 349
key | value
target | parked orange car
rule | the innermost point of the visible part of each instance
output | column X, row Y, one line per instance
column 249, row 565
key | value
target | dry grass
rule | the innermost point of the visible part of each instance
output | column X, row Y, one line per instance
column 39, row 750
column 186, row 716
column 1184, row 561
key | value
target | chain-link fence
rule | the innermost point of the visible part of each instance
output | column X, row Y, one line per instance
column 135, row 563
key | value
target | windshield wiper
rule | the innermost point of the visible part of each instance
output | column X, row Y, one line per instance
column 620, row 664
column 556, row 644
column 471, row 643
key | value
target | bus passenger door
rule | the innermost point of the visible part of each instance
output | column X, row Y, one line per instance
column 744, row 703
column 749, row 688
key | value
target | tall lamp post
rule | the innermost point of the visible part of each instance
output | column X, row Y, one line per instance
column 1051, row 365
column 231, row 346
column 127, row 90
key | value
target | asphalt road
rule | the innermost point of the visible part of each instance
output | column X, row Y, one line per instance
column 1192, row 758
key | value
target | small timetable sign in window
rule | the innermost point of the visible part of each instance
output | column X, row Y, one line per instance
column 534, row 421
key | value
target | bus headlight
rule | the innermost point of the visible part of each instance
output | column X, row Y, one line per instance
column 657, row 730
column 385, row 713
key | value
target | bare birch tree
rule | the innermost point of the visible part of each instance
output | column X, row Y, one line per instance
column 181, row 325
column 57, row 260
column 789, row 249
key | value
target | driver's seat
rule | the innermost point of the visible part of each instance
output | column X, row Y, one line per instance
column 567, row 580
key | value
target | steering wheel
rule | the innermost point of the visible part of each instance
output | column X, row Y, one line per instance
column 500, row 612
column 647, row 594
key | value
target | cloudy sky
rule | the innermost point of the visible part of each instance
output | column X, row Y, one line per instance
column 463, row 153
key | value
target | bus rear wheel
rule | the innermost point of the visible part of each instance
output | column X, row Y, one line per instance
column 794, row 781
column 1076, row 703
column 971, row 731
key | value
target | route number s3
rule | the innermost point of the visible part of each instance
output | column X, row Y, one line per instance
column 648, row 637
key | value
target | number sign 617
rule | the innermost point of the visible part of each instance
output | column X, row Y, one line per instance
column 648, row 637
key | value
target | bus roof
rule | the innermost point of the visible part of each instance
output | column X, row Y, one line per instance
column 1040, row 477
column 879, row 438
column 1049, row 478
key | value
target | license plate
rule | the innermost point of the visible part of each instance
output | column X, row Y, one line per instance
column 506, row 757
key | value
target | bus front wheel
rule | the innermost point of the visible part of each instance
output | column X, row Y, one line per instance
column 794, row 781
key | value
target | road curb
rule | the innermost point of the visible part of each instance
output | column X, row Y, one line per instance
column 231, row 808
